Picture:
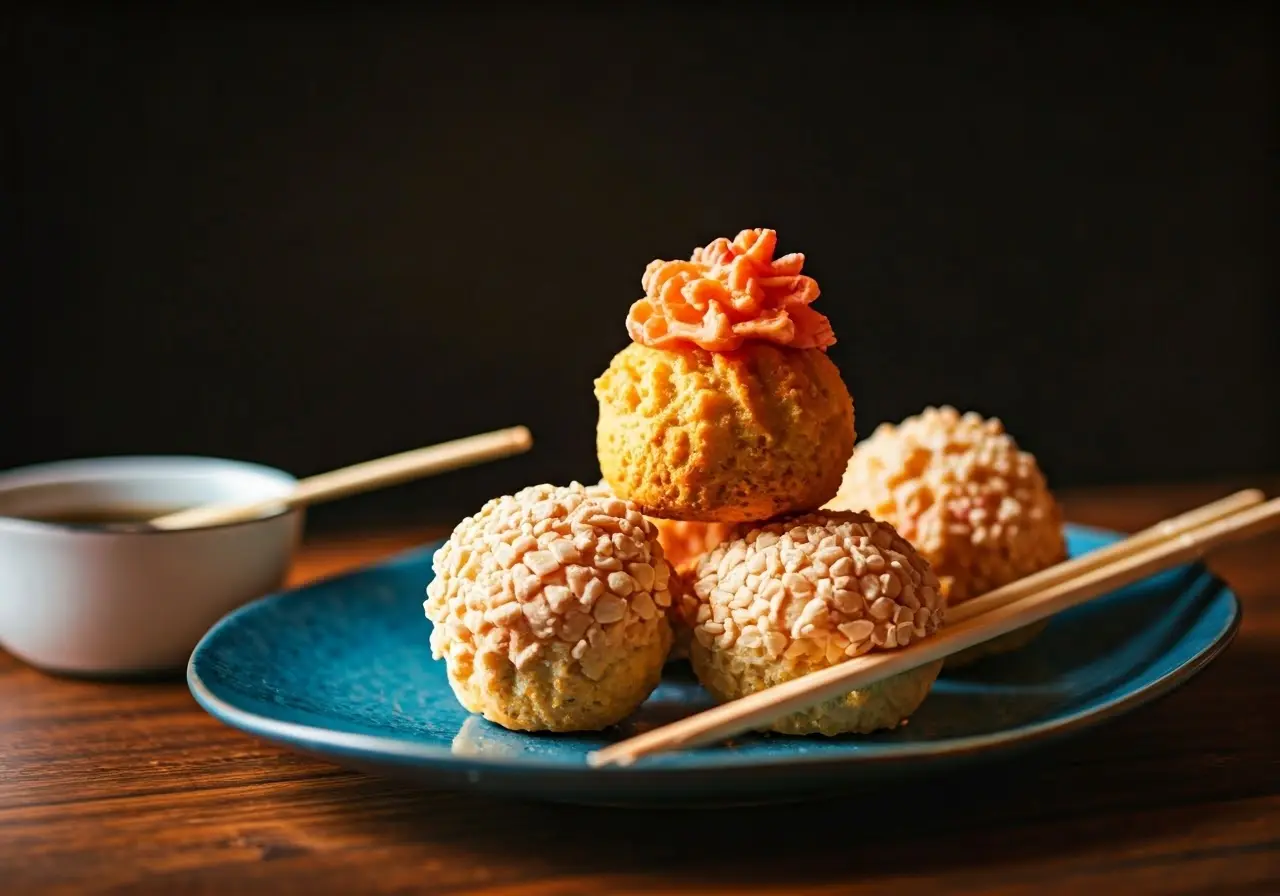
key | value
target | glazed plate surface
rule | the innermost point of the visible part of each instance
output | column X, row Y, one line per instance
column 341, row 669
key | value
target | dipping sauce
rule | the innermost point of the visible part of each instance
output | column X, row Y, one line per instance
column 102, row 515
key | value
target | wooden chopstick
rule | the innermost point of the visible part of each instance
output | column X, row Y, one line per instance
column 361, row 477
column 1060, row 572
column 762, row 707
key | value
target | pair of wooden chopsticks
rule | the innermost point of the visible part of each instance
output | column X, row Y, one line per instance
column 1174, row 541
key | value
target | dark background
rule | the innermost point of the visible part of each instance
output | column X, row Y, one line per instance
column 309, row 238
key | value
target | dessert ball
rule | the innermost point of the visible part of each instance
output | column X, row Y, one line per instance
column 795, row 596
column 725, row 437
column 975, row 505
column 549, row 609
column 725, row 407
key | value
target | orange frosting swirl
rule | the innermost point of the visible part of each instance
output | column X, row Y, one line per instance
column 728, row 293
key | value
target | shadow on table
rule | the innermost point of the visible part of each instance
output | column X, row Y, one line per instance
column 1154, row 775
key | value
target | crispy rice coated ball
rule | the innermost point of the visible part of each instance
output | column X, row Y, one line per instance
column 794, row 596
column 550, row 609
column 689, row 434
column 975, row 505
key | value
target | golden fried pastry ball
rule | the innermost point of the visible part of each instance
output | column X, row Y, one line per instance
column 737, row 436
column 973, row 504
column 795, row 596
column 550, row 609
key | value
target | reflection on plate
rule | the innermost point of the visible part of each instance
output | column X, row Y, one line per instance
column 341, row 669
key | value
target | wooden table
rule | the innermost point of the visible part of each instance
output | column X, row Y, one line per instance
column 131, row 788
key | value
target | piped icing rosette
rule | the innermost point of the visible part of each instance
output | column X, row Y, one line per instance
column 729, row 293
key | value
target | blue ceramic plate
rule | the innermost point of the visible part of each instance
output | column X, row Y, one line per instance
column 341, row 670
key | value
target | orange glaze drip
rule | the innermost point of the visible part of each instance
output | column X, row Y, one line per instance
column 729, row 293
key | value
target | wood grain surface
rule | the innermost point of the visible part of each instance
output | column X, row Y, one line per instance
column 131, row 788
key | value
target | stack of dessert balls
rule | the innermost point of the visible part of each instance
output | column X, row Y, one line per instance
column 734, row 521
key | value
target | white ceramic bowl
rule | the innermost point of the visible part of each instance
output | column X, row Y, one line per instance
column 95, row 601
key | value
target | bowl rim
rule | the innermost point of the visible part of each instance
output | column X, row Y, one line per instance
column 119, row 467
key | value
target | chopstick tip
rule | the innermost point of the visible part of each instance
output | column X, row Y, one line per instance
column 521, row 437
column 603, row 759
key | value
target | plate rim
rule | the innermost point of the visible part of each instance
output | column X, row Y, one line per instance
column 327, row 741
